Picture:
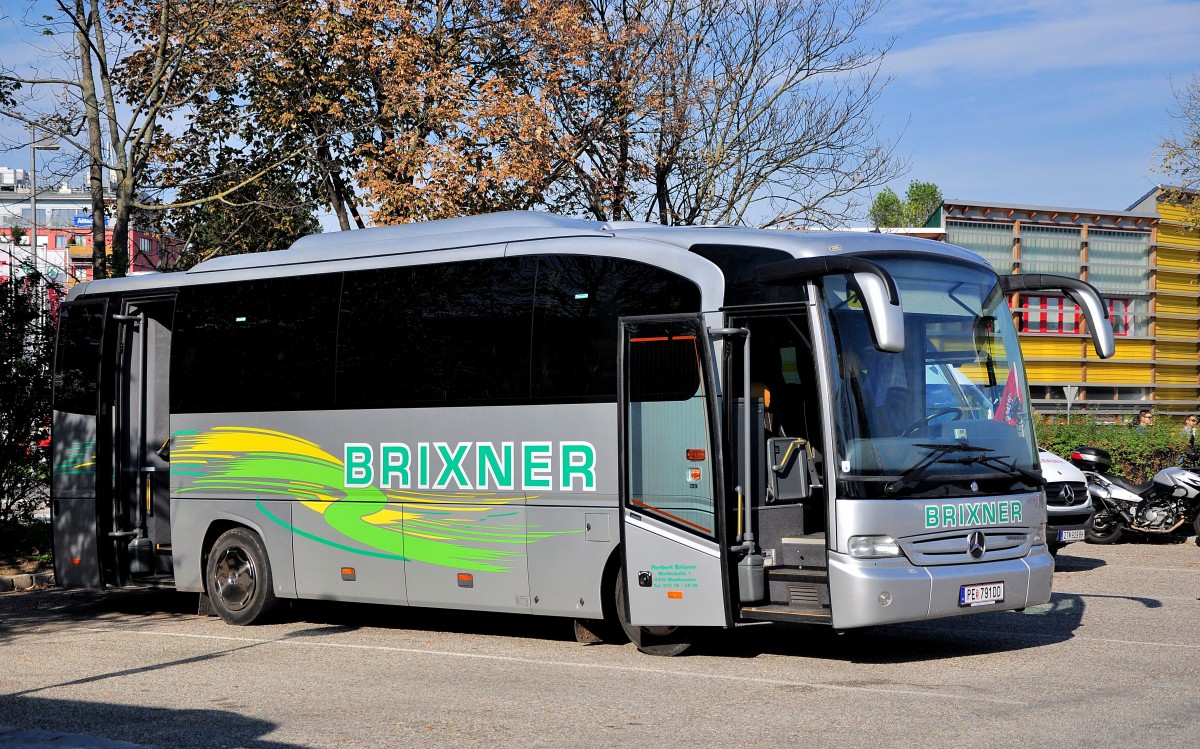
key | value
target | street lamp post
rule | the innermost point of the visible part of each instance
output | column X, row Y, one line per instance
column 47, row 143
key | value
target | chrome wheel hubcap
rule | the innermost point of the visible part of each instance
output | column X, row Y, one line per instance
column 233, row 578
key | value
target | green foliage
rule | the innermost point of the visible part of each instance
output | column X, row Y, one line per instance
column 17, row 234
column 26, row 348
column 268, row 214
column 27, row 540
column 1135, row 455
column 887, row 210
column 920, row 201
column 7, row 89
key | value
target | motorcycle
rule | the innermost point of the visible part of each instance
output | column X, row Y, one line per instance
column 1168, row 503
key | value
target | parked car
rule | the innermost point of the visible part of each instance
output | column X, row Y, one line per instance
column 1069, row 507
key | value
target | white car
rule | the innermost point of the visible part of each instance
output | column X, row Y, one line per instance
column 1068, row 505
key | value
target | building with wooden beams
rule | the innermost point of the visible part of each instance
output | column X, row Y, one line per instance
column 1144, row 261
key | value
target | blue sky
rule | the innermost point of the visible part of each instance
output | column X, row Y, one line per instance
column 1042, row 102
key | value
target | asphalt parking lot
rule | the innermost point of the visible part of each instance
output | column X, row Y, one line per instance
column 1112, row 661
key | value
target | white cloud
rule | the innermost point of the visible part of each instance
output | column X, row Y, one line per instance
column 906, row 17
column 1049, row 37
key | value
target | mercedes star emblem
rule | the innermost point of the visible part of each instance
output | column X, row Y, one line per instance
column 976, row 544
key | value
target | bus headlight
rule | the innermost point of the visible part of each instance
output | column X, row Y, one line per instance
column 874, row 547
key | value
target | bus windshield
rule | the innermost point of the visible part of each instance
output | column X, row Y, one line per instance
column 951, row 410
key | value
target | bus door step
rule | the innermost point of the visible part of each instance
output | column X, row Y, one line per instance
column 774, row 612
column 161, row 580
column 801, row 590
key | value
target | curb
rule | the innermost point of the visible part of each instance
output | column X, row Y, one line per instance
column 26, row 582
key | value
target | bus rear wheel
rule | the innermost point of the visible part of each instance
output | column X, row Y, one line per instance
column 238, row 577
column 666, row 641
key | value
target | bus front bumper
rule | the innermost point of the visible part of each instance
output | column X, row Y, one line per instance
column 866, row 592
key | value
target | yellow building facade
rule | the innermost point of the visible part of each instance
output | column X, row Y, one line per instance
column 1146, row 263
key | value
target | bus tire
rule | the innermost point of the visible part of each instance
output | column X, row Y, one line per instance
column 238, row 577
column 666, row 641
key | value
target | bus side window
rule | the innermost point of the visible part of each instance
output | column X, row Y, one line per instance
column 576, row 306
column 255, row 345
column 446, row 333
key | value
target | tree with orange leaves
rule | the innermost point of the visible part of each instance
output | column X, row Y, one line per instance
column 676, row 111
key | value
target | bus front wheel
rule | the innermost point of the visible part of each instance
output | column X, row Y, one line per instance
column 238, row 577
column 666, row 641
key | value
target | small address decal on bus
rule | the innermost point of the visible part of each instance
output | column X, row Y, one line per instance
column 973, row 513
column 507, row 466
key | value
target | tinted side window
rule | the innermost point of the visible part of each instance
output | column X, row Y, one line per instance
column 436, row 334
column 77, row 357
column 255, row 345
column 579, row 298
column 740, row 266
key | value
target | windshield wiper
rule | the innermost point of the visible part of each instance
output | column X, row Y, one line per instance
column 938, row 452
column 996, row 462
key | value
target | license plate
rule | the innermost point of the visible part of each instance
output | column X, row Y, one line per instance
column 980, row 595
column 1067, row 536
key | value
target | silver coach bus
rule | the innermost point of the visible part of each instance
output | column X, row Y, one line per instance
column 658, row 428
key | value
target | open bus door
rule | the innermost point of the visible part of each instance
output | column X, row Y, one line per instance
column 79, row 437
column 110, row 484
column 672, row 489
column 142, row 530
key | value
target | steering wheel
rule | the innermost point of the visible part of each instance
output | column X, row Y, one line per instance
column 920, row 423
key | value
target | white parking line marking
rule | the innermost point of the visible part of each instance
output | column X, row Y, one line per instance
column 537, row 662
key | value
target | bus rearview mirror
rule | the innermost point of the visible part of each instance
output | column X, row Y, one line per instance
column 1082, row 293
column 886, row 319
column 875, row 287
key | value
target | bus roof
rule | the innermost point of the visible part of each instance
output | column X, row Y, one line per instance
column 523, row 226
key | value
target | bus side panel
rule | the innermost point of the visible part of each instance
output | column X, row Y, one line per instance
column 73, row 502
column 426, row 506
column 191, row 519
column 573, row 528
column 81, row 469
column 76, row 543
column 332, row 566
column 565, row 570
column 472, row 576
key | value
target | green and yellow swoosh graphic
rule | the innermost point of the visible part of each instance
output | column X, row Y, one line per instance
column 78, row 459
column 449, row 529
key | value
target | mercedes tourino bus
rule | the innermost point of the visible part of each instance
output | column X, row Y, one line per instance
column 667, row 428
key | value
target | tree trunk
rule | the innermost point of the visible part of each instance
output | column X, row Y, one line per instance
column 95, row 142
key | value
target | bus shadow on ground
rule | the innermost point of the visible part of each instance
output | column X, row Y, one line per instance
column 33, row 609
column 996, row 632
column 209, row 726
column 979, row 634
column 114, row 606
column 330, row 617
